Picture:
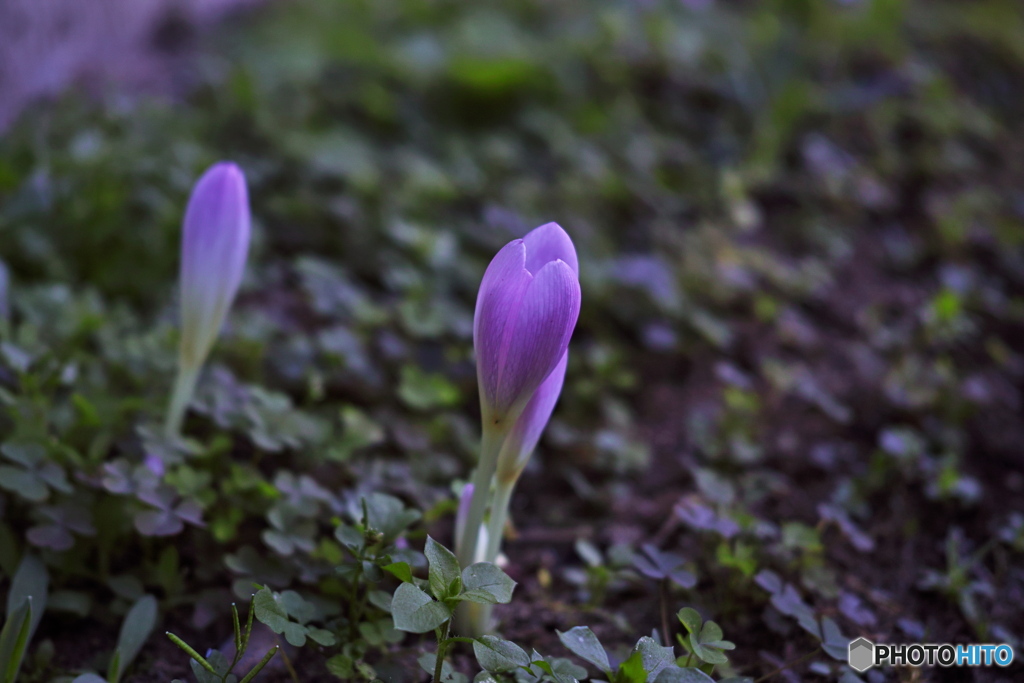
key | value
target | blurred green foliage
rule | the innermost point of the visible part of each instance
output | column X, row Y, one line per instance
column 799, row 224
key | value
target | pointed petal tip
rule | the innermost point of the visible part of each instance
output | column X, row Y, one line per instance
column 223, row 169
column 547, row 243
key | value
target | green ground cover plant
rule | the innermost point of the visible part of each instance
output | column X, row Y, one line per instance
column 791, row 404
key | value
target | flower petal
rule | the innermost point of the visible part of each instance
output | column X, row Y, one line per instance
column 214, row 248
column 530, row 425
column 501, row 293
column 549, row 243
column 544, row 323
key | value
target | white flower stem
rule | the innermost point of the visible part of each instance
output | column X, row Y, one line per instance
column 184, row 387
column 471, row 619
column 499, row 513
column 490, row 447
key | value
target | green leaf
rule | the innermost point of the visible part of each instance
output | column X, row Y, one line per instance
column 675, row 675
column 295, row 634
column 14, row 639
column 499, row 656
column 655, row 657
column 31, row 580
column 445, row 572
column 341, row 666
column 691, row 619
column 414, row 611
column 296, row 607
column 350, row 537
column 583, row 643
column 321, row 636
column 480, row 597
column 484, row 576
column 381, row 600
column 632, row 670
column 135, row 631
column 708, row 654
column 273, row 611
column 560, row 669
column 269, row 611
column 401, row 570
column 24, row 483
column 389, row 515
column 710, row 632
column 833, row 642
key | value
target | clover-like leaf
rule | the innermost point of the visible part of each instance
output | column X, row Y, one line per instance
column 833, row 642
column 654, row 656
column 583, row 643
column 488, row 578
column 269, row 611
column 388, row 515
column 688, row 675
column 272, row 610
column 659, row 565
column 691, row 619
column 55, row 533
column 415, row 611
column 170, row 515
column 499, row 656
column 35, row 476
column 708, row 644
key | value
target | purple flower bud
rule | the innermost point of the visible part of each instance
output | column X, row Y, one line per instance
column 526, row 311
column 213, row 252
column 524, row 437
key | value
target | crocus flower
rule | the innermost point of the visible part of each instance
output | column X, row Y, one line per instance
column 526, row 311
column 525, row 435
column 214, row 246
column 213, row 251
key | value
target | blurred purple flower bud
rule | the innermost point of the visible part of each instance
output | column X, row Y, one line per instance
column 213, row 252
column 526, row 311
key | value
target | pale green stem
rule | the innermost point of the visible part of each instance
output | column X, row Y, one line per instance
column 499, row 513
column 184, row 386
column 472, row 619
column 490, row 447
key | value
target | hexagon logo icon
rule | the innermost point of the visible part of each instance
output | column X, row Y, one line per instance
column 862, row 654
